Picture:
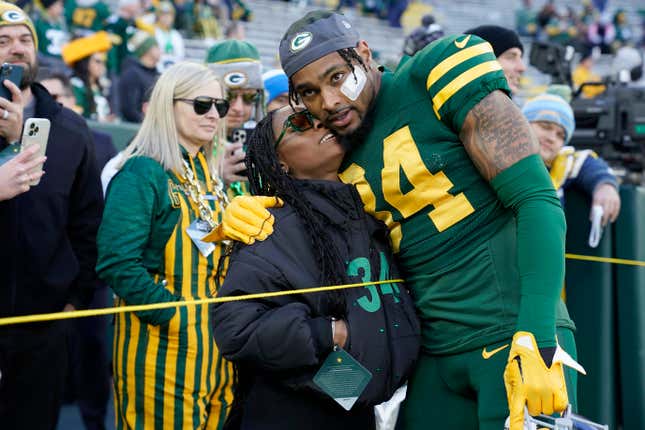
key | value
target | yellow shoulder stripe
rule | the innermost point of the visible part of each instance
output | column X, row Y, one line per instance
column 462, row 80
column 465, row 54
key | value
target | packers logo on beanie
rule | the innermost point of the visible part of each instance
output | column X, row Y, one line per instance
column 11, row 14
column 237, row 63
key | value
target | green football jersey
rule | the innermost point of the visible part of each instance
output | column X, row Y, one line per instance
column 52, row 36
column 87, row 19
column 445, row 220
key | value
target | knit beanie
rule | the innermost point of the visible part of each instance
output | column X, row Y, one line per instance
column 47, row 3
column 11, row 14
column 551, row 108
column 501, row 39
column 141, row 43
column 313, row 36
column 83, row 47
column 232, row 51
column 275, row 83
column 236, row 63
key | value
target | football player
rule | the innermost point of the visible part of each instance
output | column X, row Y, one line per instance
column 438, row 151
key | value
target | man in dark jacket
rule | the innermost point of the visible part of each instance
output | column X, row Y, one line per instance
column 48, row 237
column 139, row 75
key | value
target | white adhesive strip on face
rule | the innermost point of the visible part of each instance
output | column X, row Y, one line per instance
column 352, row 87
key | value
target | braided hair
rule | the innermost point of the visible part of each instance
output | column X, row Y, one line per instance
column 267, row 178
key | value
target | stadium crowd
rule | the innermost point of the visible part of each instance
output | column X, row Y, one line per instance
column 243, row 180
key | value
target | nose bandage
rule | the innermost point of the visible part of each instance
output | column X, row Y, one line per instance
column 352, row 87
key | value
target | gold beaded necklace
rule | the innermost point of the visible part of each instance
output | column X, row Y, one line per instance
column 193, row 191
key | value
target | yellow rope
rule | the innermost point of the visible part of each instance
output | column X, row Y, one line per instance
column 122, row 309
column 605, row 260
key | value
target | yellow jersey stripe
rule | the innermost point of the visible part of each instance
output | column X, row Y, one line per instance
column 130, row 374
column 117, row 363
column 150, row 371
column 446, row 65
column 462, row 80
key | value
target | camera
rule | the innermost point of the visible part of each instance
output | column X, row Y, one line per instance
column 553, row 59
column 612, row 124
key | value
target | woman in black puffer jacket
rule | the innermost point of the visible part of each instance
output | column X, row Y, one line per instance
column 322, row 236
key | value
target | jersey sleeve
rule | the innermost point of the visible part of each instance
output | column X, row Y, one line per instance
column 458, row 72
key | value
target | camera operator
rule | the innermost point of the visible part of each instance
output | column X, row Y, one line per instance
column 551, row 119
column 237, row 64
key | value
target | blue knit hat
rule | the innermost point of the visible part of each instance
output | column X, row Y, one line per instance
column 551, row 108
column 275, row 83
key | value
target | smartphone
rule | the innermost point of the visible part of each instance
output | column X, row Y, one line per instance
column 240, row 135
column 12, row 73
column 36, row 132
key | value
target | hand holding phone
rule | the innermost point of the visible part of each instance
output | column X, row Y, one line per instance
column 13, row 179
column 12, row 73
column 10, row 102
column 240, row 136
column 36, row 132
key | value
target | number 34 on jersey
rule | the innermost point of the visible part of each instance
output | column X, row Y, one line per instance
column 430, row 191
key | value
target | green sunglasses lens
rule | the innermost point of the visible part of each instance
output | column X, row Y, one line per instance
column 247, row 98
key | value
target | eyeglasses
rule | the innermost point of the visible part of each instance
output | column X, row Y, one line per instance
column 297, row 121
column 202, row 104
column 247, row 98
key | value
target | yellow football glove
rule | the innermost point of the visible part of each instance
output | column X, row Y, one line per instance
column 530, row 382
column 245, row 220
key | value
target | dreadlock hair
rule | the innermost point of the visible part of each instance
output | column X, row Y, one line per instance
column 267, row 178
column 349, row 55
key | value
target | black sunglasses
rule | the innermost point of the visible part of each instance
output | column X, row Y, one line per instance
column 202, row 104
column 297, row 121
column 247, row 98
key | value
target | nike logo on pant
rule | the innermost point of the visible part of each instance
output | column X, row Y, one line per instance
column 489, row 354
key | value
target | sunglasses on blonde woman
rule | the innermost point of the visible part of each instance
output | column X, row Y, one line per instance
column 297, row 121
column 202, row 104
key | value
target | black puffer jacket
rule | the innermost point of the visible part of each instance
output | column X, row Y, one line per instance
column 48, row 234
column 279, row 343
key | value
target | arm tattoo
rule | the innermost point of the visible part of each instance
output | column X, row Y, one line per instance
column 496, row 135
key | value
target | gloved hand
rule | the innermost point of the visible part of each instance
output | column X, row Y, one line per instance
column 245, row 220
column 530, row 382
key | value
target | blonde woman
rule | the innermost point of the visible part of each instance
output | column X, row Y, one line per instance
column 167, row 370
